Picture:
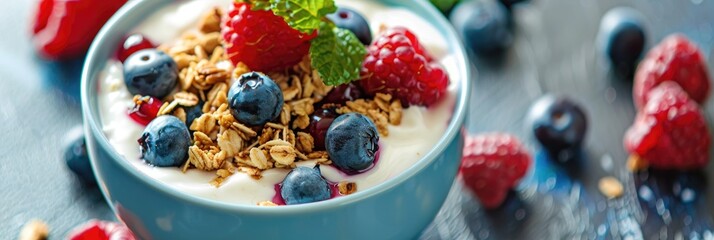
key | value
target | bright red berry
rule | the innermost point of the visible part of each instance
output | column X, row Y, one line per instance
column 397, row 64
column 670, row 131
column 674, row 59
column 492, row 164
column 65, row 29
column 145, row 109
column 262, row 40
column 101, row 230
column 133, row 43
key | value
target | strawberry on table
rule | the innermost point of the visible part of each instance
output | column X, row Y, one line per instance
column 492, row 164
column 65, row 29
column 670, row 132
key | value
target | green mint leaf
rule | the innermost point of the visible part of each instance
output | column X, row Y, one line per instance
column 337, row 54
column 303, row 15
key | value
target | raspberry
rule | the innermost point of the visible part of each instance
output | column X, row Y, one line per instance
column 492, row 164
column 670, row 132
column 145, row 109
column 262, row 40
column 398, row 65
column 101, row 230
column 674, row 59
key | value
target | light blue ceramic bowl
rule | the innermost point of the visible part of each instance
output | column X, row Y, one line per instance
column 396, row 209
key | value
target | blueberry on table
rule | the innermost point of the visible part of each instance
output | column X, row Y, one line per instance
column 622, row 38
column 351, row 20
column 560, row 125
column 255, row 99
column 304, row 185
column 76, row 156
column 165, row 142
column 352, row 142
column 150, row 72
column 320, row 121
column 133, row 43
column 482, row 25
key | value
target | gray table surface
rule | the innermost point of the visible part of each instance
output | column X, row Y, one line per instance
column 553, row 52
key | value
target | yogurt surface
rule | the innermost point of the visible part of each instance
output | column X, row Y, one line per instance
column 419, row 131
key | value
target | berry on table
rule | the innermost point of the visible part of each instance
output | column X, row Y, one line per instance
column 320, row 121
column 675, row 59
column 483, row 25
column 492, row 164
column 622, row 38
column 351, row 20
column 559, row 124
column 352, row 142
column 262, row 40
column 304, row 185
column 255, row 99
column 397, row 64
column 76, row 156
column 150, row 72
column 133, row 43
column 101, row 230
column 145, row 109
column 165, row 141
column 65, row 29
column 670, row 132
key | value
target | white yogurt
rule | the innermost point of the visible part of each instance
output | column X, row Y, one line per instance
column 419, row 131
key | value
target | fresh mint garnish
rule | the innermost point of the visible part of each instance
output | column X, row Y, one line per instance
column 336, row 53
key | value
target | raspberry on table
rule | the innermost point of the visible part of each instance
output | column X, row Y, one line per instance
column 675, row 59
column 397, row 64
column 492, row 164
column 262, row 40
column 670, row 132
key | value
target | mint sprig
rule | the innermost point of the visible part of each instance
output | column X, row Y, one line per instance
column 335, row 53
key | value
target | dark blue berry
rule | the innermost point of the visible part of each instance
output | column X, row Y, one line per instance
column 320, row 121
column 622, row 38
column 304, row 185
column 483, row 25
column 254, row 99
column 343, row 93
column 76, row 156
column 165, row 142
column 560, row 125
column 351, row 20
column 150, row 72
column 193, row 112
column 352, row 142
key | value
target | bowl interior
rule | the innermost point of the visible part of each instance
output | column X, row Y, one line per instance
column 131, row 15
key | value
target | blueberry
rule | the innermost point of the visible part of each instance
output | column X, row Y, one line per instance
column 150, row 72
column 560, row 125
column 483, row 25
column 165, row 142
column 76, row 156
column 351, row 20
column 622, row 38
column 352, row 142
column 255, row 99
column 193, row 112
column 304, row 185
column 343, row 93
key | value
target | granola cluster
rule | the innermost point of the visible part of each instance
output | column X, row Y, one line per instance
column 226, row 146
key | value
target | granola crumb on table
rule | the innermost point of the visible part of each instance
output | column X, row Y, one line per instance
column 225, row 146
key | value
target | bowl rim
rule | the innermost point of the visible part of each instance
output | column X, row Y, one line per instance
column 454, row 127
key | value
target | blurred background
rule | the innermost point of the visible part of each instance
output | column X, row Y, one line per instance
column 520, row 51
